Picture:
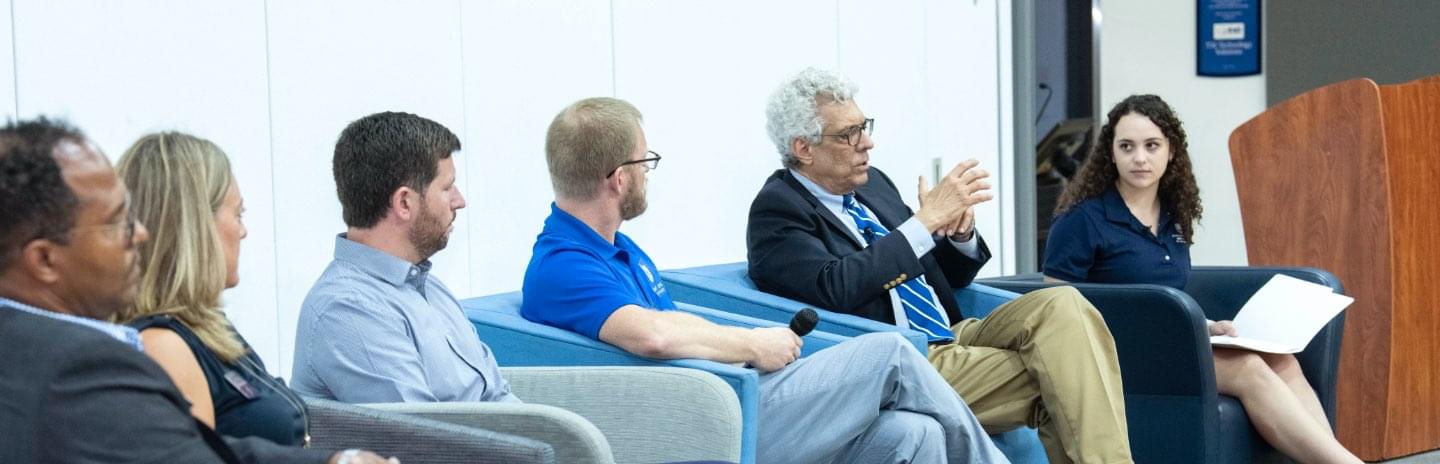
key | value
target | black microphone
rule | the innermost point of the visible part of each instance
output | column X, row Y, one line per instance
column 804, row 321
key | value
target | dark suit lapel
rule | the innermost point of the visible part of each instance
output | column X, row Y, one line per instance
column 821, row 210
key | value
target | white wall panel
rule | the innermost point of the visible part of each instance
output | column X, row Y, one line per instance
column 142, row 66
column 1149, row 47
column 964, row 96
column 274, row 83
column 1005, row 187
column 7, row 62
column 332, row 63
column 882, row 49
column 701, row 73
column 927, row 73
column 511, row 94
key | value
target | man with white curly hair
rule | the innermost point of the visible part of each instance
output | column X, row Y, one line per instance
column 831, row 230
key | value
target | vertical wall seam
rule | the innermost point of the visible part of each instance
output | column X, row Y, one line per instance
column 839, row 46
column 470, row 259
column 283, row 364
column 15, row 59
column 1000, row 143
column 614, row 82
column 925, row 84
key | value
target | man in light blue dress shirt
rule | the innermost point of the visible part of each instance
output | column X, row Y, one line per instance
column 377, row 327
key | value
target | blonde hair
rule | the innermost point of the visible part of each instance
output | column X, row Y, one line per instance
column 177, row 182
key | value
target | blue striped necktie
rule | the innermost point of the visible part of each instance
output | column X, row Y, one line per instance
column 915, row 294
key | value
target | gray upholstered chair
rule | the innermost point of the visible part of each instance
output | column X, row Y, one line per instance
column 608, row 414
column 416, row 440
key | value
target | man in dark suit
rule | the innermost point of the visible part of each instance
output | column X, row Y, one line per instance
column 74, row 388
column 832, row 231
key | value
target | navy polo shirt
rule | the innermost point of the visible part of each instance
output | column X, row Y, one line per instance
column 576, row 278
column 1098, row 240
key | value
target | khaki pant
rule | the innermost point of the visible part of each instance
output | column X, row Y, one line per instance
column 1045, row 360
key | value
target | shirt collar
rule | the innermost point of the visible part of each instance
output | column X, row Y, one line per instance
column 126, row 335
column 835, row 203
column 563, row 224
column 1117, row 212
column 382, row 265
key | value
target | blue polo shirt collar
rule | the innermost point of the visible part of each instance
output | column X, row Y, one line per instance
column 1117, row 212
column 564, row 224
column 382, row 265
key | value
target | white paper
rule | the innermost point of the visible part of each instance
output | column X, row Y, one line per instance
column 1283, row 316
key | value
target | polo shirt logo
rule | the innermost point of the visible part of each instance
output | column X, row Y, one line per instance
column 1179, row 235
column 648, row 275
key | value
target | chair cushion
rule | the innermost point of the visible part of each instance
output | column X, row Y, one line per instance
column 1235, row 432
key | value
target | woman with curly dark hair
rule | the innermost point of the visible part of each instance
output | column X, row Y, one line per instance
column 1129, row 217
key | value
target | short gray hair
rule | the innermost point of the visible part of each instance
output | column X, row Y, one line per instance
column 794, row 109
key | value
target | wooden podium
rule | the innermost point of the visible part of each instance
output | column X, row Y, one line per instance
column 1347, row 178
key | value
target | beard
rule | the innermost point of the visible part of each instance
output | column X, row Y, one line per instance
column 430, row 234
column 633, row 205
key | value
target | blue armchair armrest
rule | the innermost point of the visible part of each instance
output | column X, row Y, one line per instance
column 1172, row 407
column 979, row 300
column 519, row 342
column 1174, row 412
column 728, row 286
column 1222, row 290
column 816, row 340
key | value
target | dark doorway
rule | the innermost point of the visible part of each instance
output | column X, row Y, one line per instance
column 1064, row 97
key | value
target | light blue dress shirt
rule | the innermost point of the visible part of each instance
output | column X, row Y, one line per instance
column 376, row 329
column 122, row 333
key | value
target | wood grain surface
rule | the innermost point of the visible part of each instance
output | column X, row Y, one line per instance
column 1412, row 138
column 1344, row 178
column 1312, row 181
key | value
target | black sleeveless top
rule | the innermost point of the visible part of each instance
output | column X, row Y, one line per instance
column 248, row 401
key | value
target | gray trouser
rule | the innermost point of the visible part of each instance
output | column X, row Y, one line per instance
column 872, row 399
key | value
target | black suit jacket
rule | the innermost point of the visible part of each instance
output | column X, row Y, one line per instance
column 800, row 250
column 74, row 395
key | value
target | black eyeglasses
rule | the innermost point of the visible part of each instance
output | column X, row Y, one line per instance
column 127, row 225
column 852, row 135
column 650, row 164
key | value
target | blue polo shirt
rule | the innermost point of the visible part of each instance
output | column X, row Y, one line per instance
column 576, row 278
column 1098, row 240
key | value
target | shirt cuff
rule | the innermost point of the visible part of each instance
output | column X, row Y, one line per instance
column 970, row 248
column 917, row 235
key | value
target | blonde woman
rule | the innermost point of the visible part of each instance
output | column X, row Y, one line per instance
column 183, row 190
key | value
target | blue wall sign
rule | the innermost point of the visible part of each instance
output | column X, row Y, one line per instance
column 1227, row 37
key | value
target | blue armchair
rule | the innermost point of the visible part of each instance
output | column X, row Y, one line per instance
column 1174, row 411
column 728, row 286
column 519, row 342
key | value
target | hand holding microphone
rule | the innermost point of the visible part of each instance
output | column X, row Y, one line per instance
column 775, row 347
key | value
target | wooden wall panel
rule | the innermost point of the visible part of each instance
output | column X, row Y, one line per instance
column 1412, row 138
column 1311, row 176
